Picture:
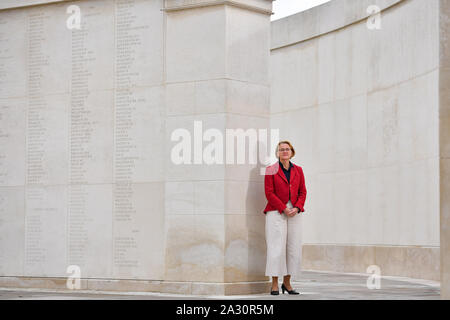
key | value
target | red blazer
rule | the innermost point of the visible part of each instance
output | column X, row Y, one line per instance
column 277, row 188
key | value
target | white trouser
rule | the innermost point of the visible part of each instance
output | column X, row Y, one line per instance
column 284, row 243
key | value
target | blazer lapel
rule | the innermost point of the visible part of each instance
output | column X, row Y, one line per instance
column 294, row 173
column 281, row 173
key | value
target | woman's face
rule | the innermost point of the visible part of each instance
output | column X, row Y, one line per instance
column 284, row 152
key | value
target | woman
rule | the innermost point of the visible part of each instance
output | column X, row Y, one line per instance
column 285, row 190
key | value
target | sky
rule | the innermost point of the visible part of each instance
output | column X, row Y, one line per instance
column 283, row 8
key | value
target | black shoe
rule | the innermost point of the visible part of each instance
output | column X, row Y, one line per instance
column 283, row 287
column 275, row 293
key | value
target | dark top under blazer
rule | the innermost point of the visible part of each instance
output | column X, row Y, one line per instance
column 278, row 189
column 287, row 173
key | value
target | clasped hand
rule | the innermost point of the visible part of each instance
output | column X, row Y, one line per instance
column 290, row 212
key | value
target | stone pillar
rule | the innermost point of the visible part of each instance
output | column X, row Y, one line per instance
column 444, row 144
column 217, row 62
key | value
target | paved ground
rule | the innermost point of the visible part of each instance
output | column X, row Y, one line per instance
column 313, row 286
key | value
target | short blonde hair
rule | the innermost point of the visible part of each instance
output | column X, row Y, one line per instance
column 290, row 146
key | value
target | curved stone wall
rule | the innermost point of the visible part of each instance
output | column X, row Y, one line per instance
column 84, row 178
column 361, row 107
column 87, row 123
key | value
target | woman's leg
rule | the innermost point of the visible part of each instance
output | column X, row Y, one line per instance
column 287, row 282
column 294, row 248
column 276, row 229
column 275, row 284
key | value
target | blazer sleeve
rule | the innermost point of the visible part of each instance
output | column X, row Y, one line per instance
column 301, row 192
column 270, row 193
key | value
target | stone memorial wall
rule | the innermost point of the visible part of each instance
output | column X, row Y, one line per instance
column 81, row 127
column 87, row 116
column 357, row 92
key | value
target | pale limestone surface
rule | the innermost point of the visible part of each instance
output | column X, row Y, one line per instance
column 323, row 19
column 10, row 4
column 217, row 75
column 361, row 107
column 86, row 119
column 82, row 133
column 414, row 262
column 444, row 145
column 313, row 285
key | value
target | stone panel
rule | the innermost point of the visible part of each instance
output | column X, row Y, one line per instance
column 12, row 231
column 45, row 231
column 82, row 124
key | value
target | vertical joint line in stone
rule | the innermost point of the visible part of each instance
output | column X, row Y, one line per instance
column 113, row 208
